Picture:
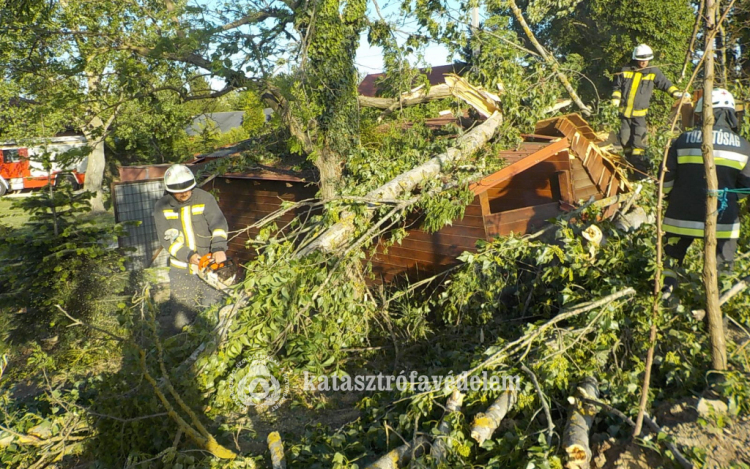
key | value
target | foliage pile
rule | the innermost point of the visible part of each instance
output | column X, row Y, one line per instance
column 498, row 312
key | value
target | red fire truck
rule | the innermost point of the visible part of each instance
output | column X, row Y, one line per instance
column 19, row 169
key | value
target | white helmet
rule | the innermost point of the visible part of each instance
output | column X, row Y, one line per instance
column 179, row 178
column 643, row 52
column 720, row 98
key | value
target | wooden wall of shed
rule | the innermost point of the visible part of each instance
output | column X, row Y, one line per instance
column 246, row 201
column 423, row 254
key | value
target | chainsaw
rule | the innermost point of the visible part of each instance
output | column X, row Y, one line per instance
column 219, row 275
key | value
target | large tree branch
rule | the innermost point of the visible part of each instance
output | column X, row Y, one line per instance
column 256, row 17
column 466, row 145
column 548, row 58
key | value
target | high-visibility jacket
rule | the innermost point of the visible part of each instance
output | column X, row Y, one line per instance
column 633, row 87
column 685, row 182
column 196, row 226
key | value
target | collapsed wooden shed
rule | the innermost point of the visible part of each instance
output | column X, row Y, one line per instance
column 552, row 169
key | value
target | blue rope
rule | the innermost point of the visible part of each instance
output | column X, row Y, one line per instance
column 722, row 194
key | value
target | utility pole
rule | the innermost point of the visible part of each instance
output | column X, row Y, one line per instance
column 710, row 271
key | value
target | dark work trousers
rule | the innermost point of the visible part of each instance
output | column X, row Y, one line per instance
column 725, row 250
column 188, row 295
column 633, row 141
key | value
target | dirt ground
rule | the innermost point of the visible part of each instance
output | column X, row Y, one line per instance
column 718, row 441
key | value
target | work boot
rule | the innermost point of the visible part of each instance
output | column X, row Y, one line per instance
column 668, row 290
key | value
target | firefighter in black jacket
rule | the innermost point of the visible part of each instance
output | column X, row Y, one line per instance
column 189, row 224
column 633, row 88
column 685, row 185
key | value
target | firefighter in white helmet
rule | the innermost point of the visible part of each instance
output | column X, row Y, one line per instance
column 189, row 224
column 633, row 87
column 685, row 185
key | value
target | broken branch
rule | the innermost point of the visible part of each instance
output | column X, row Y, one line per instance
column 466, row 145
column 443, row 442
column 548, row 58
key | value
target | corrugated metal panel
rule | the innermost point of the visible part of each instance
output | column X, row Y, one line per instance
column 134, row 201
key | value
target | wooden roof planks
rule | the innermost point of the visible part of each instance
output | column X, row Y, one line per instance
column 559, row 164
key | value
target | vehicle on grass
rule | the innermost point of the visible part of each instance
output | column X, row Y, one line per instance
column 23, row 167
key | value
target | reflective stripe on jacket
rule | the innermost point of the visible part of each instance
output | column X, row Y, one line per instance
column 194, row 227
column 685, row 182
column 634, row 87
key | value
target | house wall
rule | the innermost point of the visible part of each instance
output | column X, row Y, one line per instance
column 422, row 254
column 247, row 201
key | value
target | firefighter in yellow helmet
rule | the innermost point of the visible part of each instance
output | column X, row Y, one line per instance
column 633, row 87
column 189, row 224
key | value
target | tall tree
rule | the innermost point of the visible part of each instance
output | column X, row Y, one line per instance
column 244, row 43
column 59, row 56
column 604, row 32
column 713, row 310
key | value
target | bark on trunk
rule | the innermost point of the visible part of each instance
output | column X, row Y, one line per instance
column 576, row 435
column 466, row 145
column 486, row 423
column 95, row 170
column 443, row 442
column 715, row 325
column 329, row 166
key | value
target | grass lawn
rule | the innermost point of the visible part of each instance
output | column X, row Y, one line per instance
column 13, row 217
column 16, row 218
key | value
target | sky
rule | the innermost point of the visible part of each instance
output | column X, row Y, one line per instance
column 370, row 59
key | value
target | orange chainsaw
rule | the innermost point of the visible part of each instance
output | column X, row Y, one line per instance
column 219, row 275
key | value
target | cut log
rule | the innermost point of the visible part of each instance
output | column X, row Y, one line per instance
column 466, row 145
column 276, row 447
column 443, row 441
column 576, row 435
column 486, row 423
column 401, row 456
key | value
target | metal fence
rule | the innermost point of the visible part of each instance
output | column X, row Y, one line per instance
column 134, row 201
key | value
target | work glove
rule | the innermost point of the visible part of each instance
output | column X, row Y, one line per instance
column 680, row 94
column 615, row 102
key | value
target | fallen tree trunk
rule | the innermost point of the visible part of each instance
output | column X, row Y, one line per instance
column 576, row 435
column 466, row 145
column 443, row 442
column 486, row 423
column 401, row 456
